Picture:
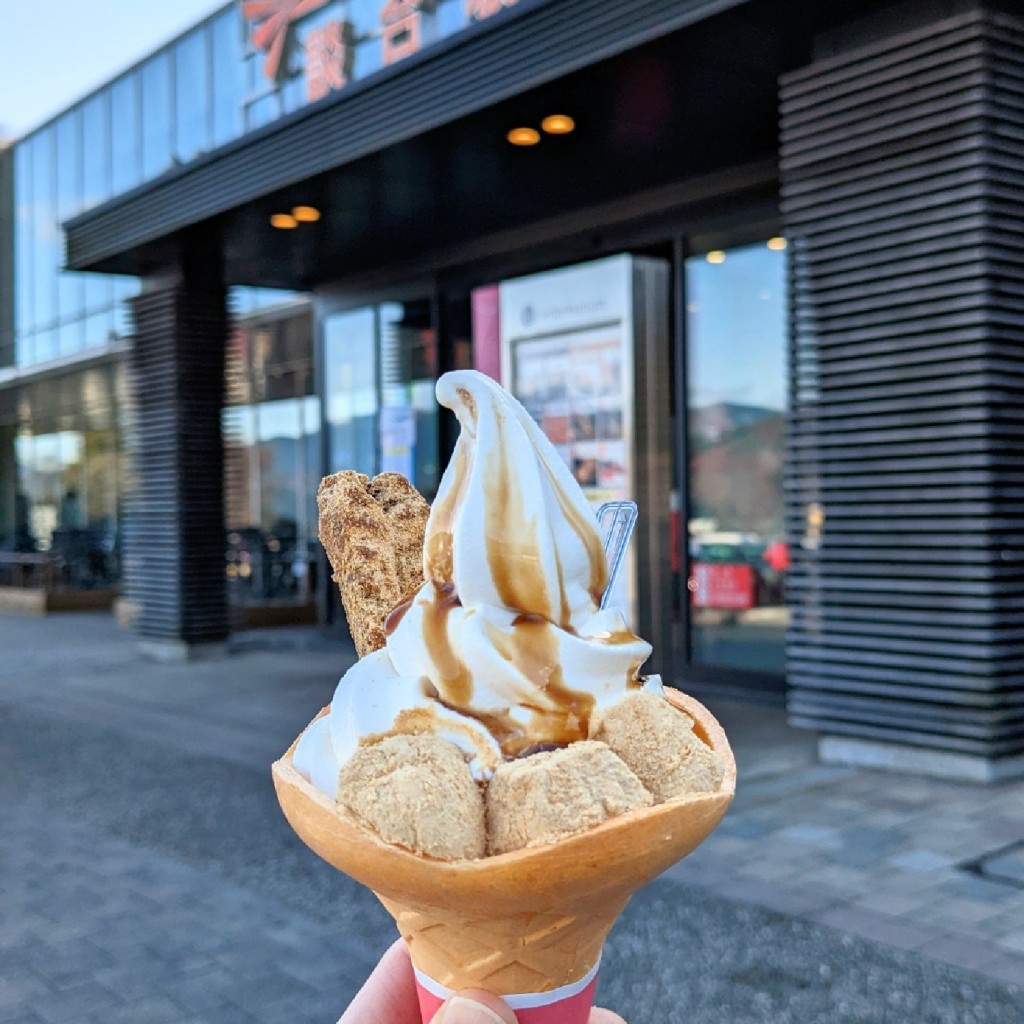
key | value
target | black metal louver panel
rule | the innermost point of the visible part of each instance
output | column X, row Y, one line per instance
column 902, row 167
column 536, row 43
column 175, row 522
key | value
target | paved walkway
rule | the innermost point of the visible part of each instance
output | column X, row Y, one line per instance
column 146, row 874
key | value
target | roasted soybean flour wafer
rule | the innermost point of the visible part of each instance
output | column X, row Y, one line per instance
column 372, row 531
column 496, row 695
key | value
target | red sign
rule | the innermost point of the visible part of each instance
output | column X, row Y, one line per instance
column 330, row 51
column 723, row 586
column 272, row 30
column 477, row 10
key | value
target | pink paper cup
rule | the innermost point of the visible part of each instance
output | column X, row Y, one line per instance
column 570, row 1004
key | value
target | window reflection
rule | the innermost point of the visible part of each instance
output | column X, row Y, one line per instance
column 23, row 258
column 736, row 361
column 350, row 379
column 384, row 417
column 70, row 286
column 228, row 80
column 124, row 122
column 409, row 423
column 96, row 152
column 156, row 116
column 45, row 231
column 191, row 90
column 271, row 432
column 68, row 463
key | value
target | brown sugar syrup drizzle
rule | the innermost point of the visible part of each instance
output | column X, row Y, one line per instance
column 532, row 644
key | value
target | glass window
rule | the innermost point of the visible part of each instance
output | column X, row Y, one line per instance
column 156, row 116
column 98, row 288
column 380, row 366
column 272, row 461
column 69, row 163
column 70, row 286
column 262, row 111
column 96, row 150
column 228, row 77
column 293, row 94
column 409, row 414
column 451, row 17
column 126, row 165
column 350, row 382
column 99, row 326
column 191, row 96
column 68, row 464
column 24, row 260
column 737, row 404
column 282, row 473
column 69, row 336
column 46, row 345
column 48, row 248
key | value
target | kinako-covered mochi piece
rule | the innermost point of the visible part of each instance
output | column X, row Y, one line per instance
column 658, row 743
column 547, row 796
column 416, row 792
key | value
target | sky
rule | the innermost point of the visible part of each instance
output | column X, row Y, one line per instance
column 52, row 52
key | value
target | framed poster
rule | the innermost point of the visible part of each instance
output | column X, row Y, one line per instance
column 567, row 347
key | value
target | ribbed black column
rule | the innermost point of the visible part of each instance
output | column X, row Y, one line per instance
column 175, row 536
column 902, row 166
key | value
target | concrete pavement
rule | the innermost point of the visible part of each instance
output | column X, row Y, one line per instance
column 147, row 876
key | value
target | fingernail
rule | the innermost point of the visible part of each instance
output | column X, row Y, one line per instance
column 459, row 1010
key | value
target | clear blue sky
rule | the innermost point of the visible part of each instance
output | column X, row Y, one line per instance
column 54, row 51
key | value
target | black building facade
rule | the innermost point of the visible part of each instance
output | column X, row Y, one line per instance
column 851, row 537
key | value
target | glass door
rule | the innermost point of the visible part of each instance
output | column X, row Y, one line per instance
column 737, row 403
column 378, row 371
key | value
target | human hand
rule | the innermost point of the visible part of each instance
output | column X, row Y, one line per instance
column 389, row 997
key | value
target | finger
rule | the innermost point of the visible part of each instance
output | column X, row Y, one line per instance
column 599, row 1016
column 389, row 995
column 474, row 1006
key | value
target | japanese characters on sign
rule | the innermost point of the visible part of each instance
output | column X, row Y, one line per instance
column 273, row 21
column 330, row 51
column 401, row 30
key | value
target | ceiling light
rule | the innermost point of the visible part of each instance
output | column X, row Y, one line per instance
column 306, row 214
column 715, row 256
column 284, row 221
column 776, row 244
column 524, row 136
column 558, row 124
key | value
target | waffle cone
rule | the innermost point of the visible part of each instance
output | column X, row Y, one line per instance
column 528, row 921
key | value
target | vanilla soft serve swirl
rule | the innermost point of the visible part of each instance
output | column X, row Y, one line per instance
column 503, row 648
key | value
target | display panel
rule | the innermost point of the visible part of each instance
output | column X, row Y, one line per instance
column 567, row 355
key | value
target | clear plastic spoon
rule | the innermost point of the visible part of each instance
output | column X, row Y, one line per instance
column 615, row 520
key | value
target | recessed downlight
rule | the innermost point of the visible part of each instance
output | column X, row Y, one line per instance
column 524, row 136
column 715, row 256
column 776, row 244
column 284, row 221
column 306, row 214
column 558, row 124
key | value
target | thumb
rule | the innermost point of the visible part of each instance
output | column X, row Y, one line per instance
column 474, row 1006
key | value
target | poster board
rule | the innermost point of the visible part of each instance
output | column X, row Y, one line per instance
column 567, row 355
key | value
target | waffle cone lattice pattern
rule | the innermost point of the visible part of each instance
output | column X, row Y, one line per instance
column 521, row 952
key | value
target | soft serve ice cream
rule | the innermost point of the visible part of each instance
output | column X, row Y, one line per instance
column 504, row 655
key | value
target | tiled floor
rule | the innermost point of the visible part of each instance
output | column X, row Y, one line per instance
column 889, row 857
column 880, row 857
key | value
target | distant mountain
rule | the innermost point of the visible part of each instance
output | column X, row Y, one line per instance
column 738, row 482
column 715, row 422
